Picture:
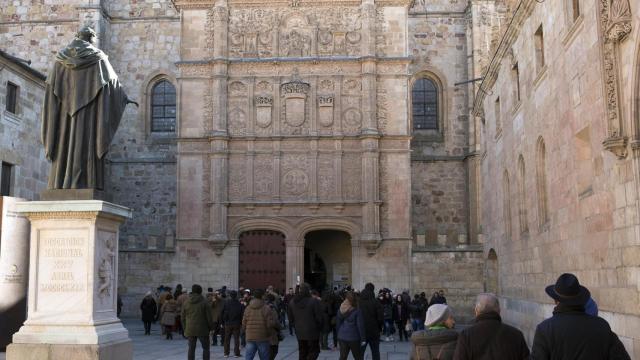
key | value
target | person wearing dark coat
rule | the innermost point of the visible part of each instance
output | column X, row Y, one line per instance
column 571, row 333
column 400, row 315
column 231, row 316
column 351, row 332
column 325, row 308
column 149, row 308
column 438, row 340
column 306, row 315
column 489, row 338
column 197, row 322
column 418, row 312
column 373, row 318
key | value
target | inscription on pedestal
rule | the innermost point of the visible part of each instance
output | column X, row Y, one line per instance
column 62, row 268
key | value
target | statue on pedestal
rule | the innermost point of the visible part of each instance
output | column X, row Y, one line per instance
column 83, row 105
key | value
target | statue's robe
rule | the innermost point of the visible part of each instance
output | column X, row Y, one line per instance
column 83, row 105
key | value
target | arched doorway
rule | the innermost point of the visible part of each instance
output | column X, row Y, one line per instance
column 491, row 281
column 262, row 259
column 327, row 259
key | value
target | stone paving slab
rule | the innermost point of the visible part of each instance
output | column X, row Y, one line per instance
column 155, row 347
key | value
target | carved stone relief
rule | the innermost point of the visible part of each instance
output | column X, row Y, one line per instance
column 237, row 122
column 292, row 32
column 106, row 268
column 352, row 176
column 615, row 26
column 264, row 105
column 326, row 177
column 263, row 175
column 294, row 107
column 295, row 178
column 325, row 110
column 351, row 121
column 237, row 178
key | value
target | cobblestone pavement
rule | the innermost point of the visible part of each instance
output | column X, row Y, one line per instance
column 155, row 347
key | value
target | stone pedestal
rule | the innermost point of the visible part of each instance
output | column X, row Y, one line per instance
column 72, row 283
column 14, row 269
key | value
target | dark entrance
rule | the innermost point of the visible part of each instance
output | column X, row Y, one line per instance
column 327, row 259
column 262, row 259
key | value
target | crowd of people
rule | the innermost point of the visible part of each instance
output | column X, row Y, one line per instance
column 255, row 319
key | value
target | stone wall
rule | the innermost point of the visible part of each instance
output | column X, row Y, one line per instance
column 571, row 200
column 20, row 132
column 459, row 273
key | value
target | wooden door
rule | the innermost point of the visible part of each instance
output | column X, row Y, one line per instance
column 262, row 259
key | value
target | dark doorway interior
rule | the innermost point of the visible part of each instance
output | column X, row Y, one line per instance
column 327, row 259
column 262, row 259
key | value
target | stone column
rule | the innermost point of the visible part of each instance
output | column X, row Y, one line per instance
column 73, row 279
column 14, row 269
column 371, row 193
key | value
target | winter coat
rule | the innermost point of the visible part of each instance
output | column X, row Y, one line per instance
column 418, row 311
column 572, row 334
column 433, row 344
column 490, row 339
column 196, row 316
column 259, row 321
column 180, row 300
column 306, row 315
column 232, row 312
column 387, row 310
column 168, row 313
column 400, row 313
column 216, row 309
column 149, row 309
column 351, row 326
column 372, row 314
column 326, row 317
column 274, row 338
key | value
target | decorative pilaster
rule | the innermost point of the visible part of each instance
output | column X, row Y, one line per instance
column 614, row 25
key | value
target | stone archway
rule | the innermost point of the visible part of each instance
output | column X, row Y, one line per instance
column 491, row 273
column 327, row 259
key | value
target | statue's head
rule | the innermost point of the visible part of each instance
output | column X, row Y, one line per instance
column 87, row 34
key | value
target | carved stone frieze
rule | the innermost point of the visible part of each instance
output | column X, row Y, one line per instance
column 352, row 176
column 351, row 121
column 264, row 105
column 294, row 182
column 263, row 175
column 294, row 106
column 237, row 178
column 237, row 122
column 326, row 177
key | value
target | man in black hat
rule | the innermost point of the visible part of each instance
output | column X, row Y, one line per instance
column 572, row 334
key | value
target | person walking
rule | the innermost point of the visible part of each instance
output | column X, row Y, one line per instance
column 286, row 301
column 306, row 315
column 232, row 320
column 197, row 322
column 372, row 315
column 180, row 300
column 168, row 316
column 400, row 315
column 489, row 338
column 148, row 308
column 438, row 340
column 387, row 313
column 417, row 311
column 571, row 333
column 351, row 332
column 276, row 337
column 259, row 322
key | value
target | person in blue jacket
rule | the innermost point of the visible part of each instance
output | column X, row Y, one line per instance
column 351, row 333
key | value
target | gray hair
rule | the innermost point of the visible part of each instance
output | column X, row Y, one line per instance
column 487, row 302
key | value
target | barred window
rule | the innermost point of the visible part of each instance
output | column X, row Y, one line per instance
column 163, row 107
column 424, row 100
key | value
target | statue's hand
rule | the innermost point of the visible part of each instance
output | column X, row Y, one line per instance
column 133, row 102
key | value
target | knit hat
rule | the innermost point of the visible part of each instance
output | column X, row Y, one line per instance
column 437, row 314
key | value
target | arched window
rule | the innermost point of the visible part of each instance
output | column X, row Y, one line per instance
column 506, row 205
column 522, row 197
column 541, row 182
column 424, row 104
column 163, row 107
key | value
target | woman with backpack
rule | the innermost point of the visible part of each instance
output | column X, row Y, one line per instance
column 351, row 334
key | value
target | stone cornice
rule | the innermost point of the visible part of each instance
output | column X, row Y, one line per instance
column 207, row 4
column 522, row 13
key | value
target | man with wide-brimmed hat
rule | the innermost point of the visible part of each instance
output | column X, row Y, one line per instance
column 570, row 333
